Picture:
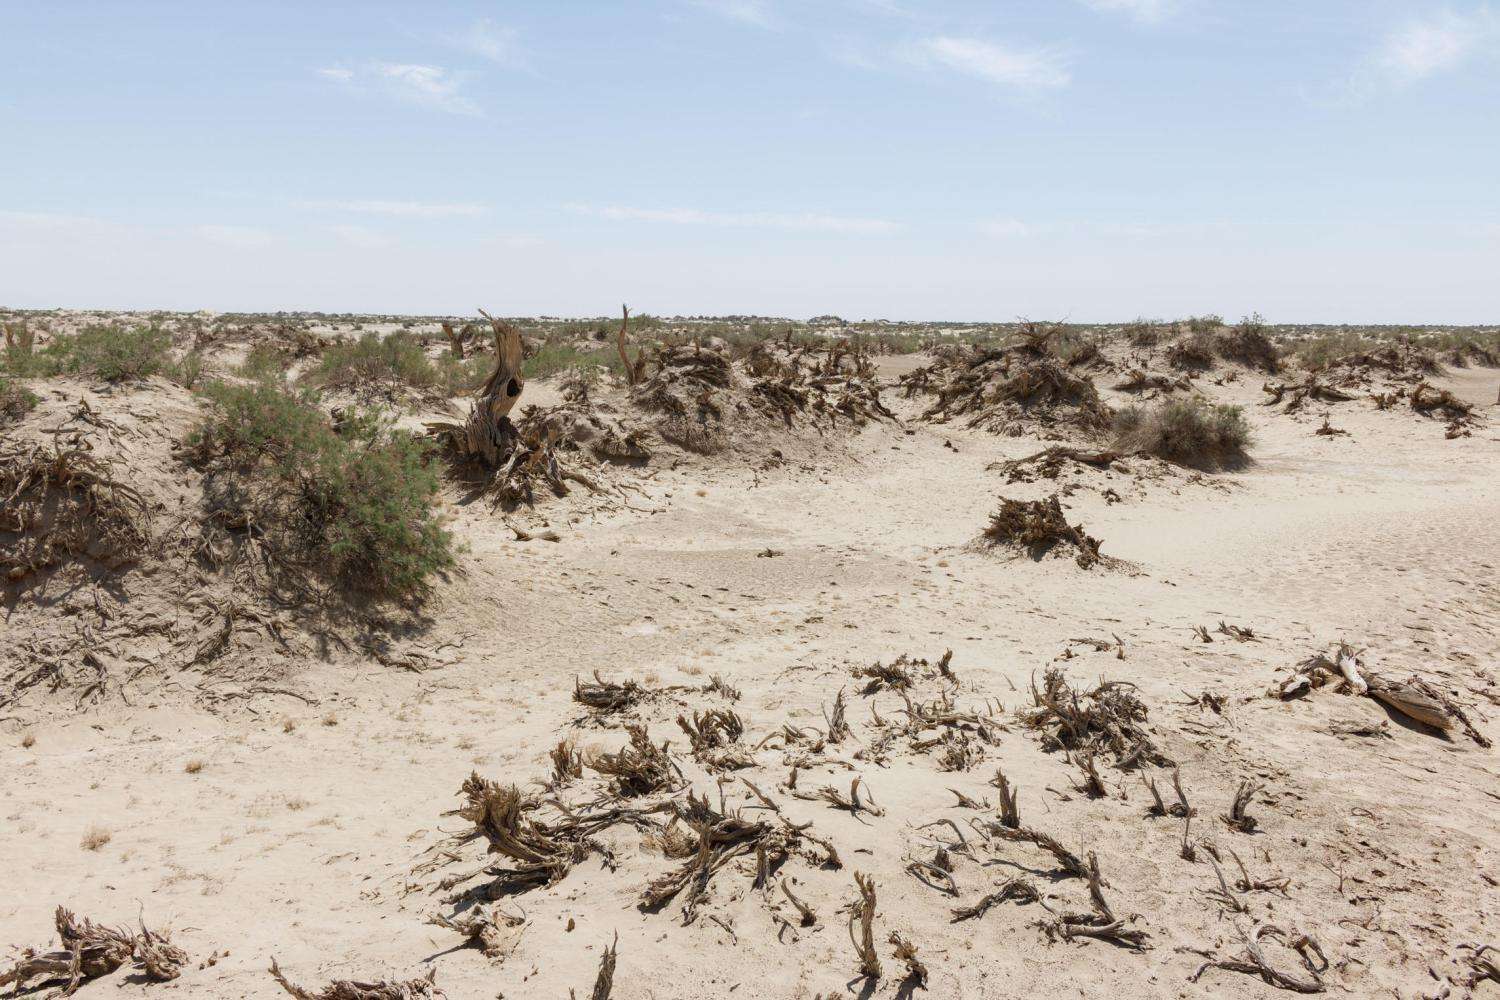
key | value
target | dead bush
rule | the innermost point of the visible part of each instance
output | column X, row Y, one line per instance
column 1038, row 526
column 1195, row 352
column 63, row 502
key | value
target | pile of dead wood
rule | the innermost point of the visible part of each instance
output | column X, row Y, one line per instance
column 87, row 950
column 1402, row 362
column 1038, row 526
column 1343, row 670
column 62, row 501
column 509, row 460
column 1011, row 389
column 1108, row 717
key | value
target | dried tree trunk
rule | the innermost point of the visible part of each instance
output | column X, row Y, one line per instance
column 455, row 341
column 634, row 370
column 488, row 433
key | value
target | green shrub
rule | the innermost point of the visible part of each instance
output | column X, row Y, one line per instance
column 1210, row 323
column 458, row 378
column 187, row 371
column 351, row 502
column 1250, row 344
column 393, row 362
column 1143, row 333
column 1188, row 432
column 552, row 357
column 1318, row 352
column 264, row 361
column 110, row 353
column 15, row 399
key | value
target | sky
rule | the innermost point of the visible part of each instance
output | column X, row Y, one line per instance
column 1088, row 160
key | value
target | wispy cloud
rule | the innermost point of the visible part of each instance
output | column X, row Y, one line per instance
column 362, row 237
column 810, row 222
column 1419, row 49
column 1415, row 51
column 1145, row 11
column 410, row 209
column 495, row 42
column 995, row 62
column 414, row 83
column 237, row 237
column 755, row 12
column 1005, row 228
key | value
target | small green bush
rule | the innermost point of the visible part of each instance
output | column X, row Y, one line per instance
column 1143, row 333
column 352, row 502
column 15, row 399
column 110, row 353
column 1188, row 432
column 458, row 378
column 552, row 357
column 391, row 363
column 1315, row 353
column 1210, row 323
column 264, row 361
column 189, row 370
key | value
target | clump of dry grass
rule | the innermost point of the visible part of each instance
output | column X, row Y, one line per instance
column 1186, row 432
column 193, row 766
column 95, row 837
column 1038, row 526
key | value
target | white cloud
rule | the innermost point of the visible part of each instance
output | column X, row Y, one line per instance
column 362, row 237
column 409, row 209
column 238, row 237
column 495, row 42
column 1147, row 11
column 1419, row 49
column 414, row 83
column 1028, row 69
column 756, row 12
column 433, row 86
column 50, row 220
column 1005, row 228
column 792, row 222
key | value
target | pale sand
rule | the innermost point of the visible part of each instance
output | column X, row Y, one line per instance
column 301, row 844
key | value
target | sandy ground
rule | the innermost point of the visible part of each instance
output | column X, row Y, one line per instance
column 299, row 836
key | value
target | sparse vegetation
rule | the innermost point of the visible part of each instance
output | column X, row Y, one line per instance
column 110, row 353
column 1250, row 344
column 1187, row 432
column 392, row 365
column 352, row 503
column 15, row 399
column 95, row 837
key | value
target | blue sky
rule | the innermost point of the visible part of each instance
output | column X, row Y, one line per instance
column 1319, row 160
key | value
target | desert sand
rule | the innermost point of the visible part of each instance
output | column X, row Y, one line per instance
column 298, row 800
